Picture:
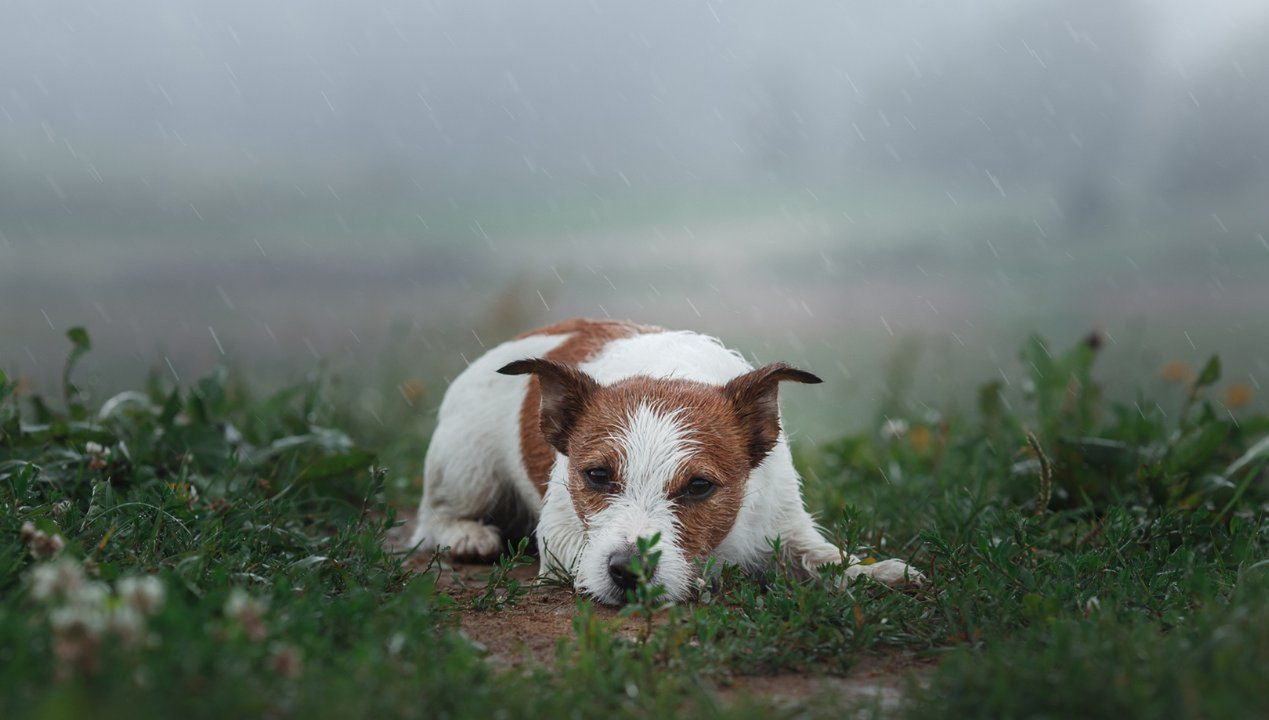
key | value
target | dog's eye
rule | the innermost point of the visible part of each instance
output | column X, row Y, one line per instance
column 699, row 488
column 599, row 478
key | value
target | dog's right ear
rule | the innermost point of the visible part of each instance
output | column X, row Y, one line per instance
column 565, row 390
column 753, row 397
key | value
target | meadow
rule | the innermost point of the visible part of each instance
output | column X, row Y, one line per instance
column 209, row 549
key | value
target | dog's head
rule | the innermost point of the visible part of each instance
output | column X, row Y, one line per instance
column 648, row 456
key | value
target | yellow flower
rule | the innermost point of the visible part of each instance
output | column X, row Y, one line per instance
column 1238, row 395
column 920, row 438
column 1176, row 372
column 412, row 390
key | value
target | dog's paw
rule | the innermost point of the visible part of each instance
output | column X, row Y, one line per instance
column 895, row 573
column 471, row 540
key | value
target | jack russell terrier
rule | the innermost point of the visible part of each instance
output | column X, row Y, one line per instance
column 603, row 432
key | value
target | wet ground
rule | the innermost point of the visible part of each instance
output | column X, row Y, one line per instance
column 531, row 630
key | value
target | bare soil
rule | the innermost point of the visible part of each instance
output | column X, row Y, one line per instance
column 531, row 630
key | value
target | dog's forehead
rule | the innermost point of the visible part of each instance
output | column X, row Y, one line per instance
column 643, row 409
column 654, row 428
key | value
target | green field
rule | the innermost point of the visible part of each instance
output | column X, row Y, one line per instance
column 208, row 550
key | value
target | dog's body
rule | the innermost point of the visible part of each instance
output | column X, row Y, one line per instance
column 621, row 431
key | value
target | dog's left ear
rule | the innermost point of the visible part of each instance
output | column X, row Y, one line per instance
column 754, row 398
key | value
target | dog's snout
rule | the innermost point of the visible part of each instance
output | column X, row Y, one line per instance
column 621, row 570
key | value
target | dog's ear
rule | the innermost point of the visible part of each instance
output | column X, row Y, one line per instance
column 564, row 389
column 754, row 398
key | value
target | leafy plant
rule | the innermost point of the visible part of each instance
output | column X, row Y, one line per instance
column 648, row 597
column 502, row 588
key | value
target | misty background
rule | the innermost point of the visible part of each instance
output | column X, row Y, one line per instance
column 892, row 195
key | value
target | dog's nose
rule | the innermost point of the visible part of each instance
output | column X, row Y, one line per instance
column 620, row 570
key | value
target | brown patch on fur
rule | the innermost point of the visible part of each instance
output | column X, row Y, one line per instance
column 754, row 397
column 720, row 454
column 586, row 339
column 731, row 428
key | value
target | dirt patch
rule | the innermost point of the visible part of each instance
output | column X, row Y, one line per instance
column 530, row 632
column 879, row 681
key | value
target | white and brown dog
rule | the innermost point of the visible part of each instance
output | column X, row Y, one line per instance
column 603, row 432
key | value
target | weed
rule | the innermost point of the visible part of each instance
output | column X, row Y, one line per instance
column 502, row 589
column 647, row 598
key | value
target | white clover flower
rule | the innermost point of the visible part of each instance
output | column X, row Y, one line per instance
column 144, row 594
column 42, row 545
column 127, row 623
column 92, row 593
column 78, row 619
column 49, row 546
column 248, row 612
column 97, row 455
column 894, row 428
column 240, row 603
column 61, row 578
column 1092, row 605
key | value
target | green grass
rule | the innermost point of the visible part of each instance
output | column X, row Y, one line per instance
column 1119, row 572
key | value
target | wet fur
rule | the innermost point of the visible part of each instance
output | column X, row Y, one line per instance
column 520, row 426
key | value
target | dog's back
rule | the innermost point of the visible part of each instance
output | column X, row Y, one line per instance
column 488, row 456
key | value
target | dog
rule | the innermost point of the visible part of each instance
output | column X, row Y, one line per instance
column 596, row 433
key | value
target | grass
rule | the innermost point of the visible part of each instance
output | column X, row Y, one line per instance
column 1114, row 565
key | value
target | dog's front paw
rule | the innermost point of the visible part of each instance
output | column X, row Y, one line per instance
column 471, row 541
column 895, row 573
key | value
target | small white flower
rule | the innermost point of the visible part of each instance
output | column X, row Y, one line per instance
column 42, row 545
column 1092, row 605
column 894, row 428
column 92, row 593
column 56, row 579
column 98, row 455
column 76, row 619
column 127, row 623
column 248, row 612
column 144, row 594
column 241, row 604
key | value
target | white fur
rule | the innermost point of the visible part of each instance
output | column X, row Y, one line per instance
column 475, row 452
column 654, row 445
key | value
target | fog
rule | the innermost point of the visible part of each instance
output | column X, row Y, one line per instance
column 280, row 185
column 578, row 92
